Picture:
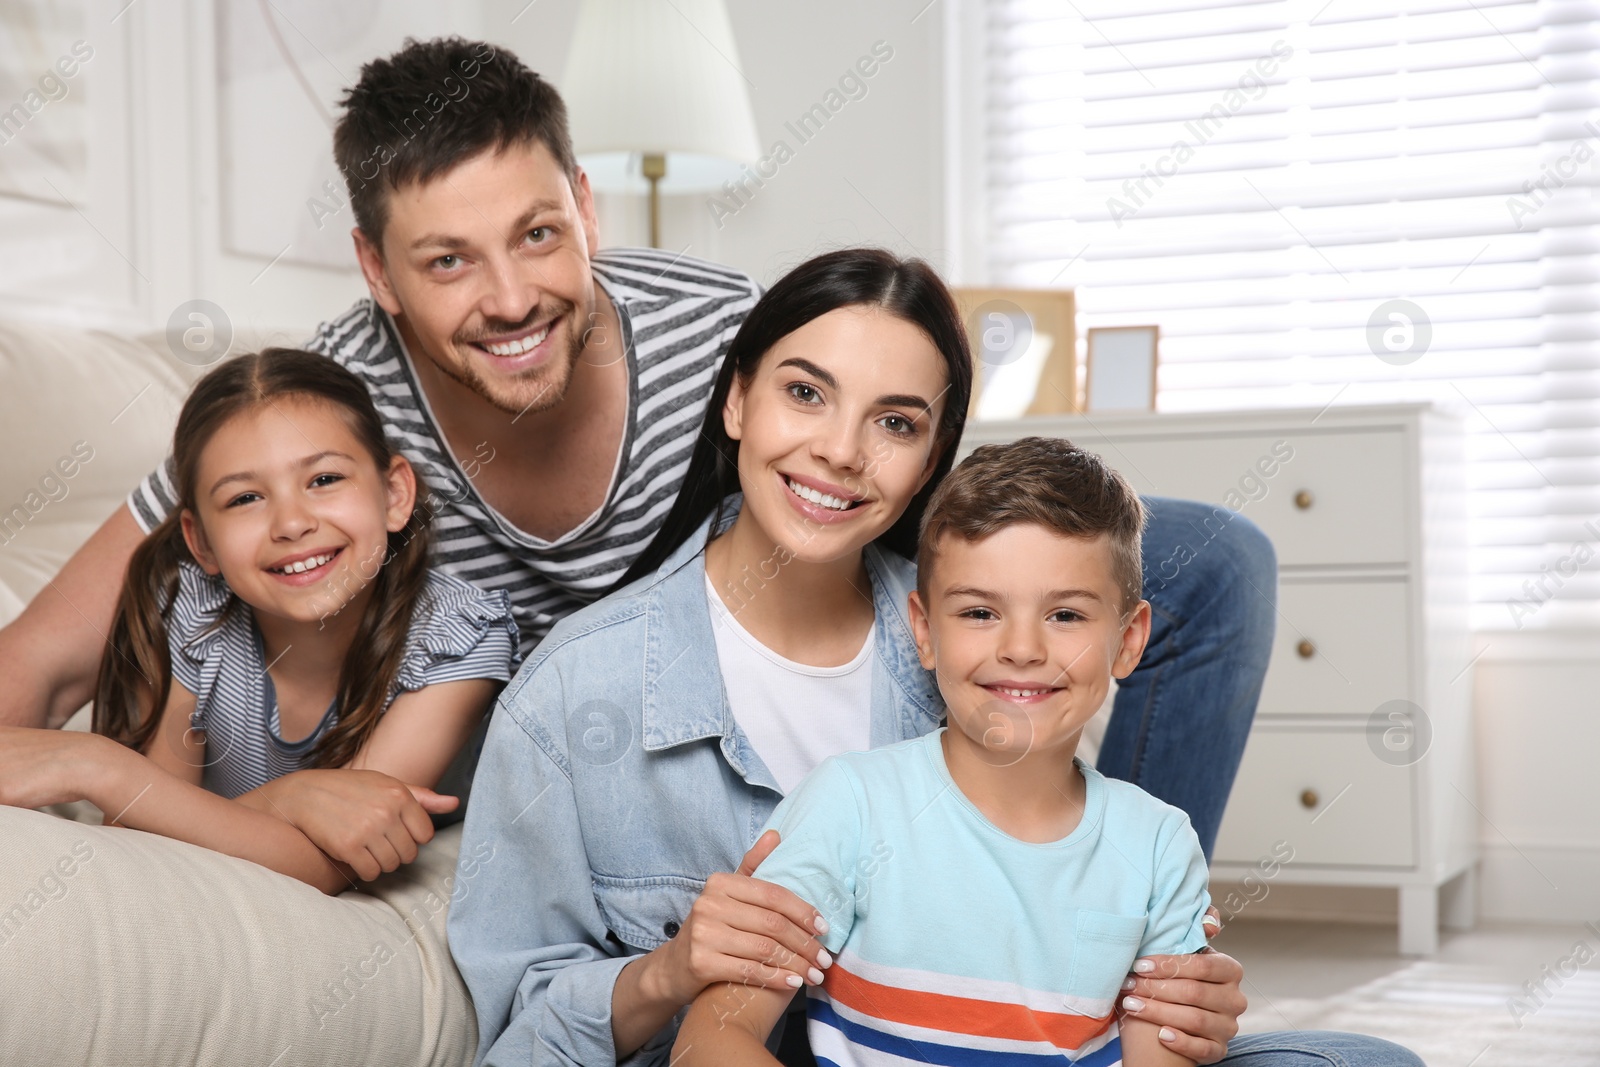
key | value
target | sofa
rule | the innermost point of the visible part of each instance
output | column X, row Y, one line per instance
column 123, row 948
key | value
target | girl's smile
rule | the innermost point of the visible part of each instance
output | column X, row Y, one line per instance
column 305, row 568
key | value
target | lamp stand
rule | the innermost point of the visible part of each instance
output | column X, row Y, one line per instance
column 654, row 167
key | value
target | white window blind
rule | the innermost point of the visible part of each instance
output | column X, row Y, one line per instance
column 1259, row 178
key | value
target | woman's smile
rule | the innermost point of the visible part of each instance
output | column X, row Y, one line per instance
column 838, row 423
column 819, row 501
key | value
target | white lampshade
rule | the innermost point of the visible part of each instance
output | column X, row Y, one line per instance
column 658, row 76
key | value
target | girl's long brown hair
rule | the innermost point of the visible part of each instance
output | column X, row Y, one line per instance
column 136, row 669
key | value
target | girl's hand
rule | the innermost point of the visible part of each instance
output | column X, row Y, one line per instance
column 744, row 930
column 39, row 767
column 366, row 820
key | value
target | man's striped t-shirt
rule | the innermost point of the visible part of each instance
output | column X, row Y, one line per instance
column 955, row 943
column 678, row 316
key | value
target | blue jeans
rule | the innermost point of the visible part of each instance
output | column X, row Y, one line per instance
column 1181, row 719
column 1316, row 1048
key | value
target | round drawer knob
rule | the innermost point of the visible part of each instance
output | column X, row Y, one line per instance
column 1306, row 649
column 1308, row 799
column 1302, row 499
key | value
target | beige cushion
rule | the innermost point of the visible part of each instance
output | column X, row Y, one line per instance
column 122, row 949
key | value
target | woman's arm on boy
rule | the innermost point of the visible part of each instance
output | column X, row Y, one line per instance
column 1195, row 997
column 728, row 1024
column 718, row 943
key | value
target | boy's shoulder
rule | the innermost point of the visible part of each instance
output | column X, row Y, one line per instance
column 887, row 762
column 892, row 776
column 1130, row 811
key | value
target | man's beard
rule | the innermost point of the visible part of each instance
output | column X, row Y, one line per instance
column 542, row 388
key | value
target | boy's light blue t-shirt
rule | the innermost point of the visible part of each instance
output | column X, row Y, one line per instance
column 955, row 942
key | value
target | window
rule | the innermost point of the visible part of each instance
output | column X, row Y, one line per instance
column 1336, row 201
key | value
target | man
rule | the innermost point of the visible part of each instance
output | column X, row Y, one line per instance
column 549, row 397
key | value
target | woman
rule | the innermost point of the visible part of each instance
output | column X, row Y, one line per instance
column 631, row 763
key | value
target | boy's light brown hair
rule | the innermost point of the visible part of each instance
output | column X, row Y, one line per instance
column 1045, row 481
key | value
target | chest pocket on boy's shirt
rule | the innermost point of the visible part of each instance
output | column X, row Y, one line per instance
column 645, row 913
column 1103, row 949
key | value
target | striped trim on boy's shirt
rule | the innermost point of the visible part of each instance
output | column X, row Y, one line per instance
column 678, row 316
column 868, row 1014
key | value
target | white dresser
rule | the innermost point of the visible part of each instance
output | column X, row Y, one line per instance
column 1360, row 767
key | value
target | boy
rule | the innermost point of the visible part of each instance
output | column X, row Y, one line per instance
column 1052, row 877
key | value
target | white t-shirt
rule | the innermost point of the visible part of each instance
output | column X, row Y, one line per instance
column 795, row 715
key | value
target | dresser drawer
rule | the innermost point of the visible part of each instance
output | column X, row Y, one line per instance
column 1341, row 648
column 1323, row 498
column 1325, row 793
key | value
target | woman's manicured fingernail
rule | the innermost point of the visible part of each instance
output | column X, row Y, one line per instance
column 816, row 976
column 1132, row 1004
column 1128, row 983
column 1211, row 920
column 821, row 924
column 823, row 959
column 795, row 980
column 1143, row 966
column 1167, row 1035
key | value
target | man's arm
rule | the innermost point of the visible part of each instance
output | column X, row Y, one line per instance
column 50, row 654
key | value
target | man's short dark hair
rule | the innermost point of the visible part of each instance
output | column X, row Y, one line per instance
column 434, row 104
column 1043, row 481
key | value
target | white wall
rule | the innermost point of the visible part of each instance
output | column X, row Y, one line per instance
column 151, row 233
column 872, row 175
column 1538, row 736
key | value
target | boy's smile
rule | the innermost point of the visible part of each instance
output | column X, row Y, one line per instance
column 1025, row 630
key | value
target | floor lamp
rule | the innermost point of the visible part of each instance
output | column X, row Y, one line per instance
column 657, row 99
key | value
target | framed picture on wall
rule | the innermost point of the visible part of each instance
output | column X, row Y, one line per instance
column 1122, row 368
column 43, row 110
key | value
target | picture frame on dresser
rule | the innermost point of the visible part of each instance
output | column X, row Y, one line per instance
column 1121, row 365
column 1360, row 763
column 1024, row 350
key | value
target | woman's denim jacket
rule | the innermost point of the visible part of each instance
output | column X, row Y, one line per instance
column 613, row 782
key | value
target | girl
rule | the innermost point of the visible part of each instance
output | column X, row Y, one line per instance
column 282, row 618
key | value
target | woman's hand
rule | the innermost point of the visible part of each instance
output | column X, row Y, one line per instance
column 740, row 929
column 366, row 820
column 744, row 930
column 39, row 767
column 1195, row 999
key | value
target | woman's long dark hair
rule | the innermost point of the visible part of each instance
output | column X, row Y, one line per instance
column 136, row 669
column 910, row 290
